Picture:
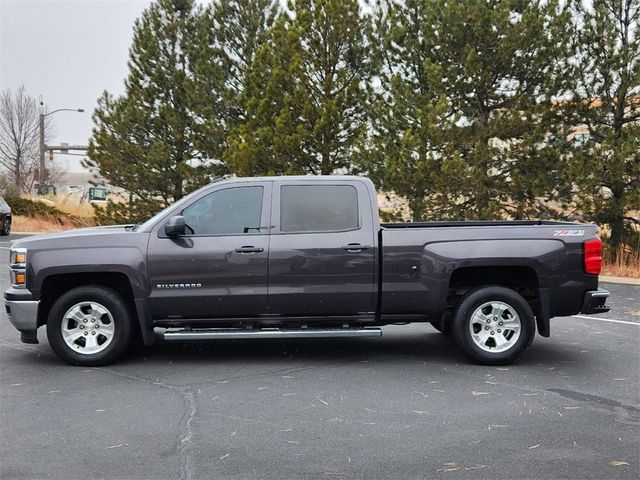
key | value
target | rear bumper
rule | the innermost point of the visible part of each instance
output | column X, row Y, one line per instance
column 595, row 302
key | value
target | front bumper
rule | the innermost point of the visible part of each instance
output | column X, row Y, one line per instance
column 595, row 302
column 23, row 314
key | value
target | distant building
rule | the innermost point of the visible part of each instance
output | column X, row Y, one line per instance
column 78, row 192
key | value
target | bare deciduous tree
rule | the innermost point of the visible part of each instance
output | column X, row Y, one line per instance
column 19, row 138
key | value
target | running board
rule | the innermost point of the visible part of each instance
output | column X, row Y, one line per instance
column 237, row 334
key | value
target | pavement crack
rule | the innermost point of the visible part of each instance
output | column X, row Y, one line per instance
column 186, row 430
column 185, row 445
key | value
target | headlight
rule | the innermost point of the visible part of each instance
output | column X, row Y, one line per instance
column 18, row 267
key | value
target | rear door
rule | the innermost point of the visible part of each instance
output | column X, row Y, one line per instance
column 219, row 268
column 322, row 250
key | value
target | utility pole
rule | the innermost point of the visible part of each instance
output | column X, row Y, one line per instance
column 42, row 169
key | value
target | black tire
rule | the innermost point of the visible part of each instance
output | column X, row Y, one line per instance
column 6, row 227
column 462, row 325
column 118, row 314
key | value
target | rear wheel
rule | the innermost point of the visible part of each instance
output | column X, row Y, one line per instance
column 89, row 326
column 6, row 227
column 492, row 325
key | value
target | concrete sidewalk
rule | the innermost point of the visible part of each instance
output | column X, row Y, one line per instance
column 624, row 280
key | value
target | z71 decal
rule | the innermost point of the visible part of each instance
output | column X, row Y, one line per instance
column 568, row 233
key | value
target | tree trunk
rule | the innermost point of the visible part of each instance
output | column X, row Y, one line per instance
column 417, row 207
column 483, row 197
column 18, row 173
column 325, row 167
column 616, row 222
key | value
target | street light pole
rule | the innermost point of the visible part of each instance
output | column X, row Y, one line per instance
column 42, row 167
column 42, row 170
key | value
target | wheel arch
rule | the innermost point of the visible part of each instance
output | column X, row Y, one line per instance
column 523, row 279
column 516, row 277
column 56, row 285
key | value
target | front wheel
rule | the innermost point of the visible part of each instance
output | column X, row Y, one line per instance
column 492, row 325
column 89, row 326
column 5, row 229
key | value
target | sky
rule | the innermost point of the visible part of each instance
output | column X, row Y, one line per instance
column 68, row 52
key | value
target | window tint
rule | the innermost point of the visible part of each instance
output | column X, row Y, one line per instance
column 318, row 208
column 229, row 211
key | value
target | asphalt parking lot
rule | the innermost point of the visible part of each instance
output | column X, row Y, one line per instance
column 404, row 406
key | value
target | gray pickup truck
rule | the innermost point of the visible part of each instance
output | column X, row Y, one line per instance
column 297, row 257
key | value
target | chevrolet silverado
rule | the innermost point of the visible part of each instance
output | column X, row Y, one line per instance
column 298, row 257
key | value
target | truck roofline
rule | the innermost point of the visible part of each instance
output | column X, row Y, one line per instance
column 152, row 223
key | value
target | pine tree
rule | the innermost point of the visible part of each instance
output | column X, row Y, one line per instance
column 144, row 141
column 407, row 114
column 479, row 133
column 305, row 93
column 229, row 34
column 605, row 165
column 267, row 141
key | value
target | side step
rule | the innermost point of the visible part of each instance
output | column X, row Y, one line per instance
column 237, row 334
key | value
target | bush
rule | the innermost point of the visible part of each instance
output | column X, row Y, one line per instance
column 29, row 208
column 125, row 213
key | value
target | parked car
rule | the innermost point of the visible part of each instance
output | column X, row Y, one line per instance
column 5, row 217
column 297, row 257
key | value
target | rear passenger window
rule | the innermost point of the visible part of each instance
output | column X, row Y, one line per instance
column 318, row 208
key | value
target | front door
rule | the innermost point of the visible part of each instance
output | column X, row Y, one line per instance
column 219, row 268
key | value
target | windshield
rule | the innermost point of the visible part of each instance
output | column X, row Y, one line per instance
column 184, row 200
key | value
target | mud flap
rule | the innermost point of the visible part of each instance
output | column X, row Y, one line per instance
column 544, row 312
column 145, row 321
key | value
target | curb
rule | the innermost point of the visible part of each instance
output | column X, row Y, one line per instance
column 623, row 280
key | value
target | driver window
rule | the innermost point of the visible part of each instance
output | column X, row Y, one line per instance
column 232, row 211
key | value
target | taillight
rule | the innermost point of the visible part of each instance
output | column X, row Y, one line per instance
column 593, row 256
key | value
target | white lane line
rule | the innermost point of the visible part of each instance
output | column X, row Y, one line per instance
column 606, row 320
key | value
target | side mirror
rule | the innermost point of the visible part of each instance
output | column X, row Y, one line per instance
column 175, row 226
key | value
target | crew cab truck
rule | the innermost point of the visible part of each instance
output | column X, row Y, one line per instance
column 297, row 257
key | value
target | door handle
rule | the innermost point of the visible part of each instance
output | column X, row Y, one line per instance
column 249, row 249
column 355, row 247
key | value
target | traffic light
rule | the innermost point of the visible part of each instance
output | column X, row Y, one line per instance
column 51, row 155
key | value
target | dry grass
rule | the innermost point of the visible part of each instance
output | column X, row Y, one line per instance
column 41, row 224
column 626, row 263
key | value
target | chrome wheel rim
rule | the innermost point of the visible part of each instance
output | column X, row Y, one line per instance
column 87, row 328
column 495, row 327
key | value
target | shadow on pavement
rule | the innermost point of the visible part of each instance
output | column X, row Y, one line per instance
column 401, row 348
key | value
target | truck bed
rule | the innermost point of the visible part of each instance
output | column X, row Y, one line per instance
column 424, row 262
